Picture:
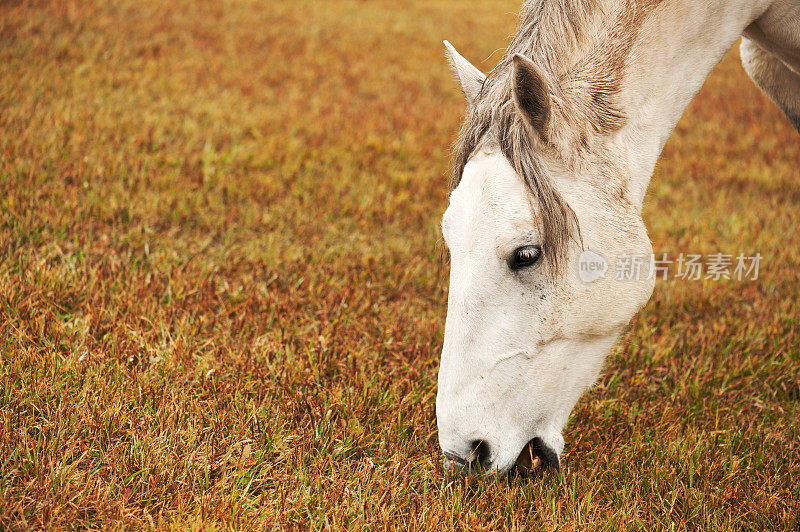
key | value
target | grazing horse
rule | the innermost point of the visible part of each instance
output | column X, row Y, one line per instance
column 553, row 162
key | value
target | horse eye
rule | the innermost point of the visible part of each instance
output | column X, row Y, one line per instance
column 524, row 257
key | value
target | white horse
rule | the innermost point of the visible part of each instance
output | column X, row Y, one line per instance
column 554, row 158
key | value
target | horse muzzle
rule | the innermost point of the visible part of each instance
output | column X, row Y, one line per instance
column 534, row 458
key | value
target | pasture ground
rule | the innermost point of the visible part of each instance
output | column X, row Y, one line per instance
column 222, row 288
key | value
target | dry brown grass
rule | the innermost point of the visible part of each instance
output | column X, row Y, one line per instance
column 223, row 299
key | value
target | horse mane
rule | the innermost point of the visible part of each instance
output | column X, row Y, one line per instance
column 580, row 47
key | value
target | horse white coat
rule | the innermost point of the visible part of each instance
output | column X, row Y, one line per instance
column 597, row 88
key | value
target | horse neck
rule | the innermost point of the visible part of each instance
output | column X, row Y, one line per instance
column 678, row 45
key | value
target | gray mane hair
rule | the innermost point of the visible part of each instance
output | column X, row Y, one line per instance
column 582, row 63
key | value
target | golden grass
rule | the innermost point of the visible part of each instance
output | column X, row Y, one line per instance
column 223, row 299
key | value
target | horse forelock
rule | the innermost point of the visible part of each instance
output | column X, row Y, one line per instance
column 581, row 47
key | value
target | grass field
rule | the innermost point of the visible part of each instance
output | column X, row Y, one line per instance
column 222, row 287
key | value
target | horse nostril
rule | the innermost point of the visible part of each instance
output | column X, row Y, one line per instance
column 477, row 462
column 480, row 452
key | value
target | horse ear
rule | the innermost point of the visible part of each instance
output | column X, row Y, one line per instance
column 471, row 78
column 530, row 93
